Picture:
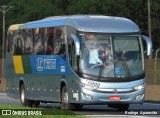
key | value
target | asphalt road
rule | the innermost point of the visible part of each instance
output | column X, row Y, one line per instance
column 101, row 111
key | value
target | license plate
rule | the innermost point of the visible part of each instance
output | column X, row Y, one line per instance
column 114, row 98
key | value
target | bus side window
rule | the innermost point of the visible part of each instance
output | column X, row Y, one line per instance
column 71, row 48
column 39, row 42
column 70, row 43
column 49, row 49
column 18, row 42
column 72, row 54
column 22, row 36
column 59, row 42
column 9, row 42
column 29, row 42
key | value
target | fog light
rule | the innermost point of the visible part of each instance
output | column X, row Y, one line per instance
column 139, row 96
column 87, row 96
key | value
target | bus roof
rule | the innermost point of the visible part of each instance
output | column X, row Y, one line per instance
column 17, row 26
column 13, row 27
column 21, row 26
column 88, row 23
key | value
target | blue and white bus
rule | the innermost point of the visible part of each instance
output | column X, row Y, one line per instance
column 77, row 60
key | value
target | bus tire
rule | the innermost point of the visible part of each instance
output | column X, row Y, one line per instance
column 23, row 99
column 76, row 106
column 120, row 107
column 123, row 107
column 35, row 103
column 64, row 98
column 65, row 103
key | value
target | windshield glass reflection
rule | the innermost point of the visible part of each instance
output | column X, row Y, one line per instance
column 104, row 55
column 97, row 55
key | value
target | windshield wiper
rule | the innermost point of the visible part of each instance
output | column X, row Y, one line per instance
column 101, row 69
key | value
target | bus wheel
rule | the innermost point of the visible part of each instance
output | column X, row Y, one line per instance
column 64, row 98
column 65, row 103
column 23, row 99
column 35, row 103
column 76, row 106
column 123, row 107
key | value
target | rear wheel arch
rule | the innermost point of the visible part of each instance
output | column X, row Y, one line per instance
column 21, row 82
column 61, row 87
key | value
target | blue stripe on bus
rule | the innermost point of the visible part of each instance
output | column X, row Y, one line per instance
column 46, row 23
column 52, row 64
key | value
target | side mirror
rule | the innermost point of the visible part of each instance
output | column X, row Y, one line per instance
column 77, row 44
column 149, row 45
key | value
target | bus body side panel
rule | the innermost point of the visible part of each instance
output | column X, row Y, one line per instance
column 43, row 82
column 42, row 87
column 73, row 88
column 9, row 75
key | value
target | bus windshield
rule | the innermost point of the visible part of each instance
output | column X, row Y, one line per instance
column 106, row 55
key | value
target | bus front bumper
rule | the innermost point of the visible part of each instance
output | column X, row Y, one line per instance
column 93, row 97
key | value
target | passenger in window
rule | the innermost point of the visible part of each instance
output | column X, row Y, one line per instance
column 90, row 41
column 94, row 56
column 88, row 49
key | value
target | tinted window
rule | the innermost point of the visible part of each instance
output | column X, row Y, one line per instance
column 29, row 42
column 10, row 42
column 18, row 42
column 39, row 41
column 49, row 45
column 59, row 45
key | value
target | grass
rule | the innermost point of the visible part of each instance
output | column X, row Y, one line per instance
column 46, row 112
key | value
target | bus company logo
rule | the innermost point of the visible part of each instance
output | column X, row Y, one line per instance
column 93, row 84
column 46, row 64
column 49, row 63
column 40, row 64
column 115, row 91
column 6, row 112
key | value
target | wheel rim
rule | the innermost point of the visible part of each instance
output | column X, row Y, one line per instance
column 65, row 98
column 22, row 96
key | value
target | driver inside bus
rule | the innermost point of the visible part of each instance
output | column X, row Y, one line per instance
column 94, row 56
column 90, row 42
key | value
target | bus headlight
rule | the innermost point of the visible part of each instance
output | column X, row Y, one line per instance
column 139, row 87
column 90, row 85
